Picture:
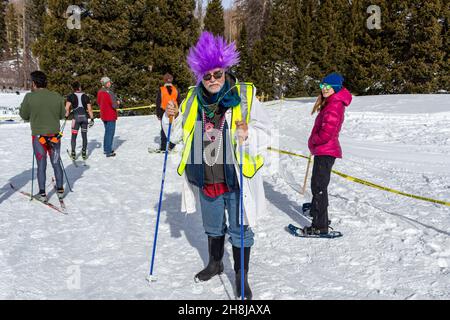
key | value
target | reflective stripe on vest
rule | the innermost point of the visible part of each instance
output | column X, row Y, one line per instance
column 189, row 108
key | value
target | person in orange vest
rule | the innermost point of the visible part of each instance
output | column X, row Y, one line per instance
column 166, row 93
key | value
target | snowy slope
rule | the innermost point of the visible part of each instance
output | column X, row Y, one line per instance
column 10, row 104
column 393, row 247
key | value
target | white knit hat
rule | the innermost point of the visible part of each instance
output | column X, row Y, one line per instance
column 105, row 80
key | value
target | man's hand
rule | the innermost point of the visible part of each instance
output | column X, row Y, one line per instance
column 242, row 130
column 91, row 123
column 172, row 110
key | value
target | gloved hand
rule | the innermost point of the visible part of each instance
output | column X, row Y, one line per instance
column 91, row 123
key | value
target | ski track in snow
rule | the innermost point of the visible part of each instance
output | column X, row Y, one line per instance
column 393, row 247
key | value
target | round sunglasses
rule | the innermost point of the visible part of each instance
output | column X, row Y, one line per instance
column 217, row 75
column 326, row 86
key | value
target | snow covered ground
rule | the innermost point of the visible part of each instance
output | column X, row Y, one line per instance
column 10, row 104
column 393, row 247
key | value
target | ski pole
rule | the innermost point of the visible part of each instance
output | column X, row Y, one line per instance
column 61, row 132
column 241, row 200
column 150, row 277
column 65, row 174
column 306, row 174
column 32, row 175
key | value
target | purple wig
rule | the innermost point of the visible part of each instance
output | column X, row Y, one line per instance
column 209, row 53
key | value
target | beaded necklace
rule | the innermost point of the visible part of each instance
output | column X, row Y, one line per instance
column 207, row 129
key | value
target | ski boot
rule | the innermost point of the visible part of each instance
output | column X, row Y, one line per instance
column 312, row 231
column 73, row 155
column 215, row 264
column 41, row 196
column 248, row 295
column 83, row 154
column 60, row 193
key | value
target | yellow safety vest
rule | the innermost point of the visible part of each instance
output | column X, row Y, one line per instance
column 189, row 108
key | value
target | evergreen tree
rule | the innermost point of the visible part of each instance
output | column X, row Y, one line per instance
column 329, row 44
column 279, row 47
column 243, row 70
column 12, row 31
column 214, row 21
column 254, row 14
column 169, row 29
column 3, row 41
column 444, row 78
column 258, row 69
column 132, row 42
column 86, row 54
column 304, row 82
column 425, row 54
column 36, row 11
column 368, row 64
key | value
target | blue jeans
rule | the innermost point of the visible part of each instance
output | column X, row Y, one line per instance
column 110, row 129
column 214, row 220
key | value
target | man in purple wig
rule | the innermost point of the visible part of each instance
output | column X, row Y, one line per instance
column 219, row 118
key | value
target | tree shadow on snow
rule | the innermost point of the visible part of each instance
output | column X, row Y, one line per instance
column 412, row 221
column 284, row 204
column 192, row 226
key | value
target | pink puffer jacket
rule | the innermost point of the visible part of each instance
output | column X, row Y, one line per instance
column 324, row 139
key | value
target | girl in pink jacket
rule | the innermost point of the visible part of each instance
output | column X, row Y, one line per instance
column 324, row 146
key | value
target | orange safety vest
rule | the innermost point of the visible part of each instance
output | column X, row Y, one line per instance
column 166, row 97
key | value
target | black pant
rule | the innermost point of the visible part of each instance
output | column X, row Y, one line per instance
column 319, row 187
column 79, row 121
column 164, row 141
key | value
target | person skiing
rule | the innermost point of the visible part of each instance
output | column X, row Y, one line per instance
column 108, row 103
column 80, row 104
column 217, row 114
column 44, row 109
column 168, row 92
column 325, row 147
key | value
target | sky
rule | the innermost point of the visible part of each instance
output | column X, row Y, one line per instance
column 227, row 3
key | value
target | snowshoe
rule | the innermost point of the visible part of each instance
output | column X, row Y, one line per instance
column 310, row 232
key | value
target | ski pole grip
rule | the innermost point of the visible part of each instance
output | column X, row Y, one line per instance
column 170, row 119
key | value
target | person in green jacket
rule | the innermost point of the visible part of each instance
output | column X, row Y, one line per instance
column 44, row 109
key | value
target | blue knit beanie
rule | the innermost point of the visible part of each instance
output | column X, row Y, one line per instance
column 335, row 80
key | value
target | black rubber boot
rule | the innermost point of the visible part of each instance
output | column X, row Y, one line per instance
column 215, row 264
column 248, row 295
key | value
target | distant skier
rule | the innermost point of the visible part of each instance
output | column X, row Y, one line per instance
column 214, row 117
column 80, row 105
column 108, row 103
column 44, row 109
column 324, row 145
column 166, row 93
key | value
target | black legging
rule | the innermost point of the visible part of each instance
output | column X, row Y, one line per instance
column 319, row 187
column 79, row 121
column 164, row 141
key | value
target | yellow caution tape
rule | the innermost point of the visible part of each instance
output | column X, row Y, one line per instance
column 13, row 117
column 367, row 183
column 134, row 108
column 287, row 152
